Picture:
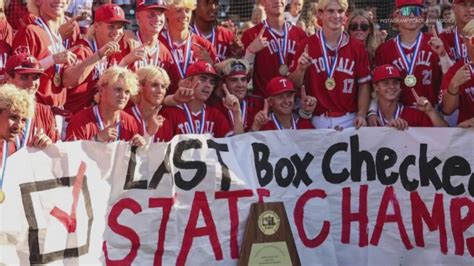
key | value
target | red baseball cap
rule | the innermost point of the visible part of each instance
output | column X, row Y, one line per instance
column 110, row 13
column 402, row 3
column 201, row 67
column 150, row 4
column 385, row 72
column 279, row 85
column 23, row 64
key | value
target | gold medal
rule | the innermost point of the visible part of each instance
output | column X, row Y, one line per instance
column 410, row 81
column 330, row 84
column 283, row 70
column 2, row 196
column 57, row 80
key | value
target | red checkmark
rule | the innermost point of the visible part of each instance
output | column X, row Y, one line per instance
column 69, row 220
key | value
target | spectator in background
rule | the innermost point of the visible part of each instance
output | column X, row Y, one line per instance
column 15, row 10
column 432, row 18
column 6, row 31
column 293, row 14
column 308, row 19
column 258, row 14
column 360, row 26
column 447, row 17
column 82, row 10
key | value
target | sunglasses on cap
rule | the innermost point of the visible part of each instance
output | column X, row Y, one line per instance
column 362, row 26
column 153, row 2
column 406, row 11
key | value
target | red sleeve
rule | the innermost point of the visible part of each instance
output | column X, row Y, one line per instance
column 249, row 35
column 223, row 127
column 299, row 50
column 206, row 44
column 447, row 79
column 25, row 41
column 362, row 65
column 76, row 130
column 378, row 60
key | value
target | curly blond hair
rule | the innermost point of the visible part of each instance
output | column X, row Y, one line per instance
column 17, row 101
column 153, row 72
column 113, row 74
column 191, row 4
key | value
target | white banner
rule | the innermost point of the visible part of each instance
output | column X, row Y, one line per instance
column 365, row 197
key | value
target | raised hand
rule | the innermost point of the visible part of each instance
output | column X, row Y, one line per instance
column 421, row 103
column 460, row 77
column 155, row 122
column 41, row 140
column 66, row 57
column 308, row 102
column 258, row 43
column 435, row 42
column 67, row 28
column 305, row 60
column 108, row 49
column 108, row 134
column 202, row 54
column 231, row 102
column 261, row 118
column 184, row 93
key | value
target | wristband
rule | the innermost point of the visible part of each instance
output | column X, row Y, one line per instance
column 305, row 115
column 249, row 57
column 453, row 94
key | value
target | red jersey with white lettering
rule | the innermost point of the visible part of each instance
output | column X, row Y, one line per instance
column 301, row 123
column 252, row 106
column 466, row 92
column 352, row 70
column 84, row 126
column 43, row 120
column 456, row 52
column 34, row 40
column 178, row 52
column 427, row 69
column 5, row 52
column 215, row 122
column 164, row 133
column 267, row 64
column 221, row 39
column 81, row 96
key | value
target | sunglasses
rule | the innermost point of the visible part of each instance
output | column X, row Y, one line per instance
column 406, row 11
column 356, row 26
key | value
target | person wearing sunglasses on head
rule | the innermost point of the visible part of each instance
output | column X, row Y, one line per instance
column 415, row 54
column 361, row 27
column 335, row 69
column 463, row 13
column 458, row 83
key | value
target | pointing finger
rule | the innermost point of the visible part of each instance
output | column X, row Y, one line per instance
column 415, row 94
column 226, row 91
column 262, row 31
column 265, row 107
column 306, row 49
column 303, row 92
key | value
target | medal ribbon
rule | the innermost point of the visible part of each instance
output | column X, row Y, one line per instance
column 410, row 64
column 146, row 62
column 56, row 41
column 182, row 68
column 26, row 135
column 138, row 115
column 211, row 38
column 189, row 118
column 94, row 48
column 4, row 162
column 457, row 46
column 281, row 52
column 279, row 126
column 330, row 68
column 396, row 115
column 100, row 123
column 243, row 112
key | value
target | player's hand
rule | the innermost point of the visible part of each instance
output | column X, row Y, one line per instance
column 436, row 44
column 67, row 28
column 202, row 54
column 398, row 123
column 155, row 122
column 467, row 123
column 359, row 121
column 258, row 43
column 41, row 140
column 237, row 48
column 261, row 118
column 138, row 141
column 460, row 77
column 65, row 58
column 373, row 120
column 305, row 60
column 421, row 102
column 109, row 49
column 184, row 93
column 308, row 102
column 231, row 102
column 108, row 134
column 136, row 54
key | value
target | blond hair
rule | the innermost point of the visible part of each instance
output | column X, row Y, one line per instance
column 191, row 4
column 33, row 8
column 323, row 4
column 372, row 42
column 151, row 73
column 469, row 28
column 113, row 74
column 17, row 101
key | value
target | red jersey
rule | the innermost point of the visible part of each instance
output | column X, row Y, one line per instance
column 466, row 92
column 456, row 49
column 164, row 133
column 6, row 32
column 221, row 39
column 300, row 123
column 43, row 120
column 81, row 96
column 15, row 10
column 5, row 51
column 413, row 116
column 35, row 40
column 84, row 126
column 215, row 122
column 426, row 70
column 352, row 70
column 267, row 64
column 178, row 52
column 250, row 106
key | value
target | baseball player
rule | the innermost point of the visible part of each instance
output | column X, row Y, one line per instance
column 335, row 69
